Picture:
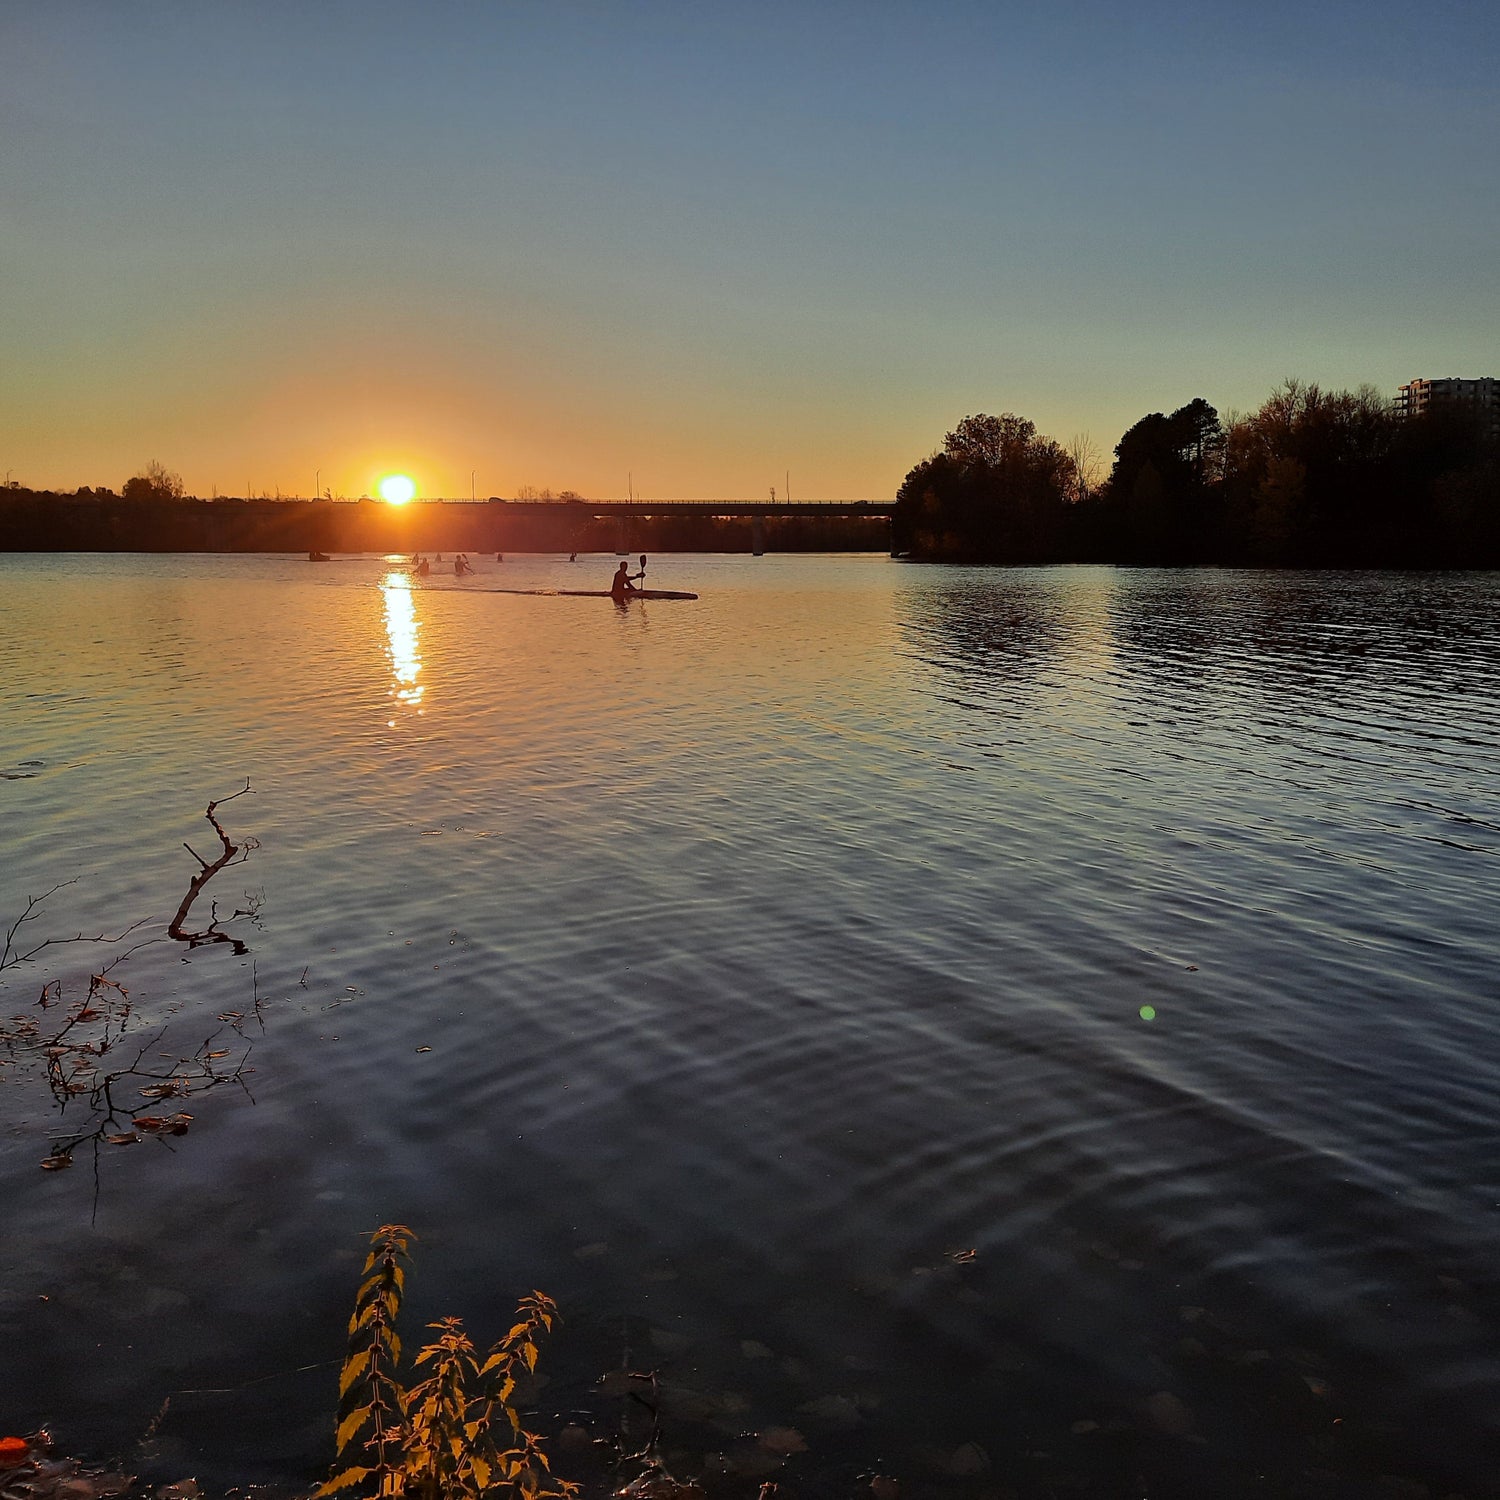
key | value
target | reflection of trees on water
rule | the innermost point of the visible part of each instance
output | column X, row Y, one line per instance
column 1169, row 624
column 996, row 625
column 1274, row 630
column 1332, row 663
column 1286, row 631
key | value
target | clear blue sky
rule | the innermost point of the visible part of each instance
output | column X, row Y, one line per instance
column 558, row 244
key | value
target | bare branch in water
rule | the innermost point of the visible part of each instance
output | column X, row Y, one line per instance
column 10, row 955
column 206, row 872
column 75, row 1049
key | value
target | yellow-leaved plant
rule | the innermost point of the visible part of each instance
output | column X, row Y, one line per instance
column 455, row 1435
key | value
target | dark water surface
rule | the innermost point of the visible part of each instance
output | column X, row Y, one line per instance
column 765, row 955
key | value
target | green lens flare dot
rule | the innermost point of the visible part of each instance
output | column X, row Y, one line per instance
column 1148, row 1013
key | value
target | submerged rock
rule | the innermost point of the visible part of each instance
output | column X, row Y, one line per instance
column 1169, row 1414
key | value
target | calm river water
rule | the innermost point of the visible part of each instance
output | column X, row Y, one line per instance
column 1027, row 1031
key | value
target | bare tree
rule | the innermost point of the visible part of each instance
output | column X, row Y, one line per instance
column 154, row 482
column 1087, row 462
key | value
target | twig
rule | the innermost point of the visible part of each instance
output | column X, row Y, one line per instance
column 206, row 872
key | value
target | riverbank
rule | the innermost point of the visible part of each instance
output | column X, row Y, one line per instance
column 99, row 521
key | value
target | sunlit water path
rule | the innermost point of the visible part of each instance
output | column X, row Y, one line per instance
column 733, row 969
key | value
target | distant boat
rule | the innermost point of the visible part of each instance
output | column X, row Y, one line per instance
column 318, row 557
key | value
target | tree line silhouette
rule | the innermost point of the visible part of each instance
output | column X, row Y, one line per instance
column 152, row 515
column 1313, row 478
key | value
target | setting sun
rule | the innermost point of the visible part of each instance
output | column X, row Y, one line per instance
column 397, row 489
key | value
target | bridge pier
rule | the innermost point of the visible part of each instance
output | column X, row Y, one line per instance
column 758, row 536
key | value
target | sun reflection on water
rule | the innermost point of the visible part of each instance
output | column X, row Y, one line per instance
column 403, row 642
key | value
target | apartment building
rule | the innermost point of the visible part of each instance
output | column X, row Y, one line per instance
column 1483, row 395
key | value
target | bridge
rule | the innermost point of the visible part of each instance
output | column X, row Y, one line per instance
column 712, row 507
column 624, row 512
column 99, row 521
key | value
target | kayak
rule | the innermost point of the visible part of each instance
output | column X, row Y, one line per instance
column 597, row 593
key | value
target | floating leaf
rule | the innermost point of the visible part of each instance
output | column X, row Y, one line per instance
column 165, row 1090
column 56, row 1163
column 125, row 1138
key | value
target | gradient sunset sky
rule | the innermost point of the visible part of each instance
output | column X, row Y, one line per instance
column 560, row 244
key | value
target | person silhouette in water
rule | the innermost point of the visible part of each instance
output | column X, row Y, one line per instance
column 622, row 583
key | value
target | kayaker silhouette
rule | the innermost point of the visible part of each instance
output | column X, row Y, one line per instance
column 621, row 584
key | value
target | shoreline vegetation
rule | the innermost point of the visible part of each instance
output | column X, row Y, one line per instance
column 456, row 1434
column 1312, row 479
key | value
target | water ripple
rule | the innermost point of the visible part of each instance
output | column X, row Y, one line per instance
column 789, row 943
